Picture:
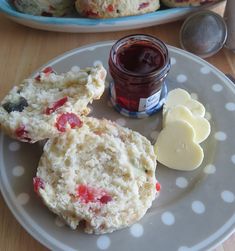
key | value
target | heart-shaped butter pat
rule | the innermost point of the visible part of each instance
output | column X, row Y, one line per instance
column 200, row 125
column 176, row 149
column 181, row 97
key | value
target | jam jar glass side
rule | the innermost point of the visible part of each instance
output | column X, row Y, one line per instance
column 139, row 90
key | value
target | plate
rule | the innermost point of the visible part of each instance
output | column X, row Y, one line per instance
column 195, row 210
column 78, row 24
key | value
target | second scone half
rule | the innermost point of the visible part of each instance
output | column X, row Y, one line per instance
column 101, row 174
column 50, row 104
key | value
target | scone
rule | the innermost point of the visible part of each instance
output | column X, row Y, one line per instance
column 186, row 3
column 115, row 8
column 44, row 7
column 50, row 104
column 101, row 174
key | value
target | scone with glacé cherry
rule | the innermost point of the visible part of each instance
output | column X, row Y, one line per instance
column 50, row 104
column 101, row 174
column 44, row 7
column 115, row 8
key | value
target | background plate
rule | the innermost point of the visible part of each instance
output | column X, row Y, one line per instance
column 195, row 210
column 78, row 24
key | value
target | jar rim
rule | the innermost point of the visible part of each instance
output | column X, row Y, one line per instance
column 132, row 40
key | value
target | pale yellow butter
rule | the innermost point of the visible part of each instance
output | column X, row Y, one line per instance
column 184, row 127
column 176, row 149
column 181, row 97
column 200, row 125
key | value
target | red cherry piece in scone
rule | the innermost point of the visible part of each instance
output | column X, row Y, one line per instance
column 37, row 184
column 85, row 194
column 158, row 187
column 91, row 13
column 56, row 105
column 47, row 71
column 89, row 194
column 22, row 134
column 110, row 8
column 143, row 5
column 105, row 199
column 67, row 118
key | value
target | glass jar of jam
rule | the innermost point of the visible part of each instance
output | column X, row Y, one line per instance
column 138, row 65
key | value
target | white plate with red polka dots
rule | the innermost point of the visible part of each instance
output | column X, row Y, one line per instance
column 195, row 210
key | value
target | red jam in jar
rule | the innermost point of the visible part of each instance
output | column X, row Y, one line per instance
column 138, row 65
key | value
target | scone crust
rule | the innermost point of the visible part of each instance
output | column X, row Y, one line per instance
column 115, row 8
column 101, row 156
column 46, row 99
